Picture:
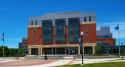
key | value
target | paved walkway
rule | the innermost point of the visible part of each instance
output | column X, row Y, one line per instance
column 101, row 60
column 57, row 63
column 52, row 62
column 23, row 63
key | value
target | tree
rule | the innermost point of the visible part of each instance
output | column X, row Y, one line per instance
column 12, row 52
column 99, row 50
column 6, row 51
column 21, row 51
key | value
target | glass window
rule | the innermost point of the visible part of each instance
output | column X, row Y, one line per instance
column 47, row 31
column 90, row 18
column 36, row 23
column 84, row 19
column 34, row 51
column 73, row 24
column 31, row 22
column 60, row 30
column 105, row 36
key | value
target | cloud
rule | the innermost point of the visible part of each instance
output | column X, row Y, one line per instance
column 112, row 28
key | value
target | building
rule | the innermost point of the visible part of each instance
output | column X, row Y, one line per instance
column 104, row 37
column 59, row 33
column 23, row 44
column 20, row 45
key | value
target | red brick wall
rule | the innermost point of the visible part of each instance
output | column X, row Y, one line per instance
column 31, row 36
column 91, row 32
column 39, row 36
column 53, row 35
column 107, row 40
column 24, row 42
column 83, row 29
column 67, row 35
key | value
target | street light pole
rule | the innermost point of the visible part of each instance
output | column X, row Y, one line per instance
column 3, row 42
column 82, row 45
column 25, row 51
column 122, row 50
column 3, row 48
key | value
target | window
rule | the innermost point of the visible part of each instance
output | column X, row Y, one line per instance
column 60, row 30
column 31, row 22
column 36, row 23
column 74, row 33
column 47, row 31
column 90, row 18
column 105, row 36
column 34, row 51
column 84, row 19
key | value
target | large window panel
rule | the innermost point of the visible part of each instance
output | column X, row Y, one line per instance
column 73, row 29
column 47, row 31
column 60, row 30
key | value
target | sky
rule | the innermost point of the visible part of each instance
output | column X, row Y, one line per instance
column 14, row 15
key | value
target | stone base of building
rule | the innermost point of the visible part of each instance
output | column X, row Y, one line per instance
column 70, row 49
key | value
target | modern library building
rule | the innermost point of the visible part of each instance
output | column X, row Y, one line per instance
column 60, row 33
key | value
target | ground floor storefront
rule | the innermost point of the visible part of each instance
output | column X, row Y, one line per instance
column 59, row 49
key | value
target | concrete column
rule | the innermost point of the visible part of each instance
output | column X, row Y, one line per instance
column 69, row 50
column 66, row 32
column 29, row 51
column 66, row 21
column 38, row 51
column 83, row 49
column 78, row 49
column 93, row 50
column 55, row 51
column 53, row 31
column 65, row 50
column 41, row 51
column 52, row 51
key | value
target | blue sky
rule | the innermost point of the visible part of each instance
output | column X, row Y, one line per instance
column 14, row 15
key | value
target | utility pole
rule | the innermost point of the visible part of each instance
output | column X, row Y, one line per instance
column 82, row 45
column 3, row 42
column 122, row 49
column 3, row 48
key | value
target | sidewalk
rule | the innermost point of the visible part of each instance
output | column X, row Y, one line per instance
column 57, row 63
column 78, row 61
column 52, row 62
column 102, row 60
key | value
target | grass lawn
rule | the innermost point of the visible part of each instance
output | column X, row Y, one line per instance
column 111, row 64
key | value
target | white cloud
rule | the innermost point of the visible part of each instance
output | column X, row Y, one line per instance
column 112, row 28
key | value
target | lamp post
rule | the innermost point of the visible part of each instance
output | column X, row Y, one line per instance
column 17, row 54
column 73, row 53
column 45, row 57
column 82, row 44
column 25, row 51
column 122, row 49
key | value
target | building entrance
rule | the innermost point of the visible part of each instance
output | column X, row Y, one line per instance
column 60, row 50
column 34, row 51
column 88, row 50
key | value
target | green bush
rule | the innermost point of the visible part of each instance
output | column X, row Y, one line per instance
column 11, row 52
column 99, row 50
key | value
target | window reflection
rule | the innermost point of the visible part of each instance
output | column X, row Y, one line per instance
column 73, row 24
column 47, row 31
column 60, row 30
